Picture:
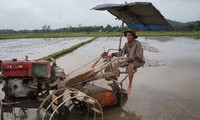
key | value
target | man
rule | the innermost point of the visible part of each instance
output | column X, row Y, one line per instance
column 134, row 56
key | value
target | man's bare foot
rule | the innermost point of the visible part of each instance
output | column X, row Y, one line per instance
column 129, row 89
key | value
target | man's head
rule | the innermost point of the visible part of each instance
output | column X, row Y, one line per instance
column 130, row 34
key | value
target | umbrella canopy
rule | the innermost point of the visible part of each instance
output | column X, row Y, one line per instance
column 137, row 15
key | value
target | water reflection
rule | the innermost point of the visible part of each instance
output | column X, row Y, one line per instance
column 161, row 39
column 118, row 113
column 196, row 38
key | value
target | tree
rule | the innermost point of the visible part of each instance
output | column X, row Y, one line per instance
column 48, row 27
column 44, row 27
column 108, row 28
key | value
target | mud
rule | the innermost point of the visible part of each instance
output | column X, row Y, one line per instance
column 167, row 88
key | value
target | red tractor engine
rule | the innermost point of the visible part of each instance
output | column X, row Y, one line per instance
column 29, row 78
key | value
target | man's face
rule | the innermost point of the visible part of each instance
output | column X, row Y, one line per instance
column 129, row 36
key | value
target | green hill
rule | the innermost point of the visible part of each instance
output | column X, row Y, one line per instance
column 187, row 26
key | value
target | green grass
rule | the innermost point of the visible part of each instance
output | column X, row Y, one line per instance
column 67, row 50
column 56, row 35
column 97, row 34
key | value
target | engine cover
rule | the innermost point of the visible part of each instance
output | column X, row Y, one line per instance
column 34, row 68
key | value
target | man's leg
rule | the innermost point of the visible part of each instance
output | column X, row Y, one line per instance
column 115, row 69
column 130, row 75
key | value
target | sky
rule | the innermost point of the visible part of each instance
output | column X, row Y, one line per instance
column 33, row 14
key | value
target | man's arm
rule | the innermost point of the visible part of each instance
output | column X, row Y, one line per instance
column 120, row 53
column 139, row 52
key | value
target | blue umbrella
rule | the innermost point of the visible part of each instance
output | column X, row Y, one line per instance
column 137, row 15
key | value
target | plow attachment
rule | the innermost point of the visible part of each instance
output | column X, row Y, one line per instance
column 67, row 104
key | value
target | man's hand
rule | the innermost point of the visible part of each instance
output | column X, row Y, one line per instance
column 129, row 59
column 104, row 55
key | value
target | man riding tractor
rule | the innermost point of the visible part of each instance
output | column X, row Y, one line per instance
column 134, row 56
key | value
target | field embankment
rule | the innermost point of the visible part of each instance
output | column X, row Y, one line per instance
column 97, row 34
column 67, row 50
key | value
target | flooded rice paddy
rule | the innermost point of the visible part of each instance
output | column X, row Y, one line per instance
column 167, row 88
column 35, row 48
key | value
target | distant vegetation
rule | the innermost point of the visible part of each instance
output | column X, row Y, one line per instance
column 69, row 29
column 189, row 28
column 97, row 34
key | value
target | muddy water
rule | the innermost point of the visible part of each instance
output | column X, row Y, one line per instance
column 35, row 48
column 167, row 88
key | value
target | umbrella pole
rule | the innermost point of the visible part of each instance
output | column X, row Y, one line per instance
column 120, row 40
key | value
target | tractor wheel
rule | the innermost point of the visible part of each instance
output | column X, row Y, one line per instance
column 68, row 104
